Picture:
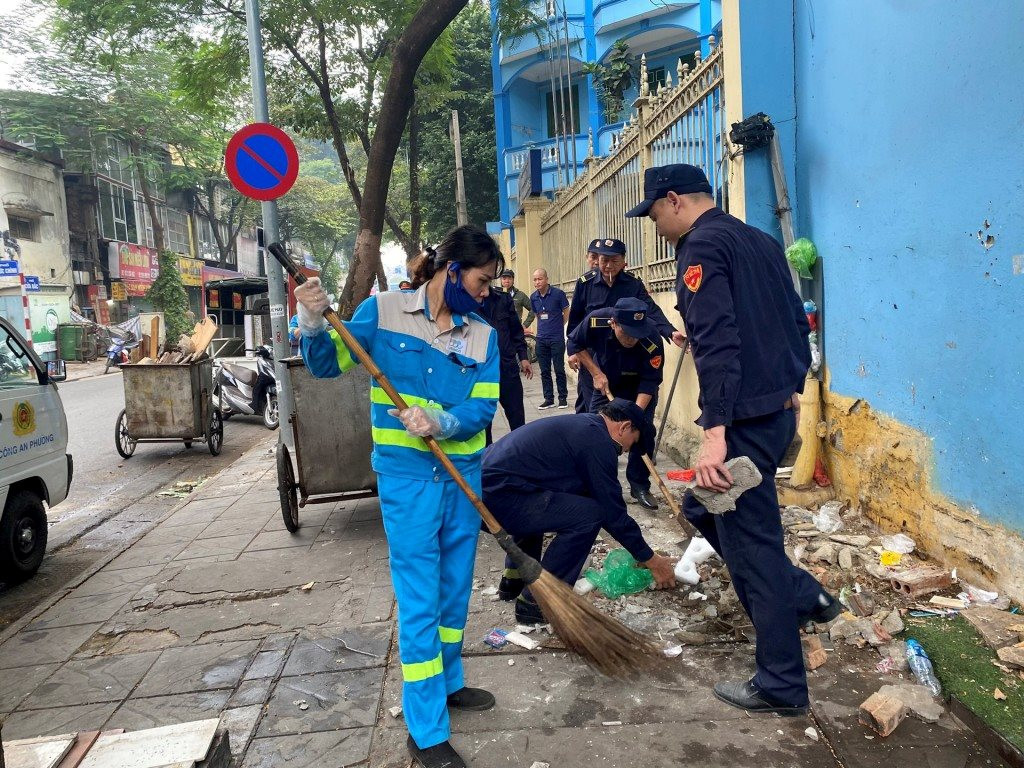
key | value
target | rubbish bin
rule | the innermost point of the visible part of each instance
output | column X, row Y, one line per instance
column 69, row 341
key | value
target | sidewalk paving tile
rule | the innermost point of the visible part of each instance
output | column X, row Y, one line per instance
column 335, row 700
column 91, row 681
column 214, row 547
column 241, row 725
column 325, row 650
column 161, row 554
column 198, row 668
column 303, row 538
column 251, row 692
column 27, row 724
column 117, row 581
column 17, row 686
column 72, row 611
column 27, row 649
column 170, row 534
column 137, row 714
column 313, row 750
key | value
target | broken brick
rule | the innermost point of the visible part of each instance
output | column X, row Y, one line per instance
column 922, row 580
column 882, row 713
column 816, row 658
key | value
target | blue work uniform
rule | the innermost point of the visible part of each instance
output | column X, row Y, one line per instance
column 551, row 341
column 560, row 475
column 500, row 311
column 431, row 526
column 594, row 293
column 748, row 337
column 631, row 371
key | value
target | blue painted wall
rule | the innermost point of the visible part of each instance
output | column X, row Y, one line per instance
column 909, row 148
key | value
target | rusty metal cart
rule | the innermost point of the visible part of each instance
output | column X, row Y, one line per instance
column 168, row 404
column 333, row 442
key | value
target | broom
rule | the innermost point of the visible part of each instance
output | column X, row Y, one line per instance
column 608, row 646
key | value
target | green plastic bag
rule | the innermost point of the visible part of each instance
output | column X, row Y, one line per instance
column 619, row 575
column 801, row 255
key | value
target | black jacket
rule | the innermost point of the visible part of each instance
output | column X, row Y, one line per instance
column 594, row 293
column 745, row 321
column 500, row 311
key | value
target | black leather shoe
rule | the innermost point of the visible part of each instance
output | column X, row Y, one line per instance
column 528, row 612
column 745, row 695
column 441, row 755
column 828, row 609
column 471, row 700
column 510, row 586
column 644, row 498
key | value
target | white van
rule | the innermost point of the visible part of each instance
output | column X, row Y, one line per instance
column 34, row 464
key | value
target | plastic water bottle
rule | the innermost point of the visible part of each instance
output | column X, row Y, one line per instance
column 921, row 666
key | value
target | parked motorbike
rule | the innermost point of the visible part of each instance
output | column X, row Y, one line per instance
column 241, row 390
column 120, row 346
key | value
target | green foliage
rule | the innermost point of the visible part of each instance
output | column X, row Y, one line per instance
column 613, row 77
column 168, row 295
column 470, row 93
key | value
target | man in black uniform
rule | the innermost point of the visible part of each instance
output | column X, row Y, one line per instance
column 499, row 310
column 621, row 349
column 608, row 285
column 748, row 334
column 574, row 497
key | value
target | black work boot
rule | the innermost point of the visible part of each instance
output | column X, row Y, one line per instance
column 828, row 609
column 510, row 585
column 441, row 755
column 528, row 612
column 747, row 696
column 643, row 498
column 471, row 700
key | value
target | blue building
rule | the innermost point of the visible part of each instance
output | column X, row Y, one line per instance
column 540, row 85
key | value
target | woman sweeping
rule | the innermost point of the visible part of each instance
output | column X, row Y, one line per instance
column 443, row 359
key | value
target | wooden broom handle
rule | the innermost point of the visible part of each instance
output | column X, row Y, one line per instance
column 378, row 375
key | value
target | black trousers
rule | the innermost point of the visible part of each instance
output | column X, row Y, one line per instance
column 551, row 354
column 510, row 395
column 772, row 590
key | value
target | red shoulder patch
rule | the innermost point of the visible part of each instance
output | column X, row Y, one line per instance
column 656, row 362
column 692, row 277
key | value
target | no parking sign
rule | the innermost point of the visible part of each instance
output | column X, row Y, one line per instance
column 261, row 161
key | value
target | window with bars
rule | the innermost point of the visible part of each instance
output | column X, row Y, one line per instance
column 22, row 228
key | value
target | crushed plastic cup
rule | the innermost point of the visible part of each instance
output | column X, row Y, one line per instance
column 827, row 519
column 899, row 542
column 888, row 557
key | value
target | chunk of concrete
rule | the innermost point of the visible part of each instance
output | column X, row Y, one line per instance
column 745, row 475
column 917, row 698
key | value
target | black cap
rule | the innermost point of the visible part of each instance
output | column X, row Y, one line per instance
column 507, row 273
column 607, row 247
column 631, row 314
column 680, row 178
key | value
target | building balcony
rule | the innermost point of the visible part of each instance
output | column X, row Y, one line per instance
column 515, row 158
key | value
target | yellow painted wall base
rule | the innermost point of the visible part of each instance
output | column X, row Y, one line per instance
column 884, row 468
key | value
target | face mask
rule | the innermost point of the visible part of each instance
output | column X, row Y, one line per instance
column 457, row 298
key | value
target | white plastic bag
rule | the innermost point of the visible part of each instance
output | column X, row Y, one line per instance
column 900, row 542
column 827, row 519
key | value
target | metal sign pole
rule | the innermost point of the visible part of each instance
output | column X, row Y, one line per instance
column 275, row 276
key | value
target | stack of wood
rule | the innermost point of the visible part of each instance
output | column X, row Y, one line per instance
column 189, row 348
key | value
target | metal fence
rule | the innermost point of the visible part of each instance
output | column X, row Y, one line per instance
column 680, row 123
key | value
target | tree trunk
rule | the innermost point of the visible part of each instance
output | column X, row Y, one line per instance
column 147, row 197
column 415, row 212
column 423, row 29
column 382, row 277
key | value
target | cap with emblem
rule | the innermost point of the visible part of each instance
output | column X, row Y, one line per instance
column 507, row 273
column 631, row 314
column 658, row 182
column 608, row 247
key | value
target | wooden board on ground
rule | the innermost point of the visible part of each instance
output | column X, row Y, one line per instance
column 998, row 628
column 154, row 337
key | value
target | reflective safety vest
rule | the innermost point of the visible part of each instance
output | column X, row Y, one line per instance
column 456, row 370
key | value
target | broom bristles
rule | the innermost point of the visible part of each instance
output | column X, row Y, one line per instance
column 607, row 645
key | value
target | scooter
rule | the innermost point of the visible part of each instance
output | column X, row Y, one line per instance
column 241, row 390
column 117, row 352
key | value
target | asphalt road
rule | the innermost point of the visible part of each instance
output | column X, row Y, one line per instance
column 112, row 500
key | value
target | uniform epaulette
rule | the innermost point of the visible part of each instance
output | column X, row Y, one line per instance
column 649, row 345
column 600, row 322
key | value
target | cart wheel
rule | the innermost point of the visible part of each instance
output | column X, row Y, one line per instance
column 122, row 440
column 286, row 486
column 215, row 438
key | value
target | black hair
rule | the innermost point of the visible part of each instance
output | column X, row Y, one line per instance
column 616, row 412
column 468, row 246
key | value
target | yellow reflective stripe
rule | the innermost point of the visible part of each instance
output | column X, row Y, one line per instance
column 449, row 635
column 421, row 670
column 401, row 438
column 487, row 389
column 380, row 397
column 345, row 360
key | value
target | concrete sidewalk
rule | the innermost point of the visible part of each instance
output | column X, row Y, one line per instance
column 211, row 613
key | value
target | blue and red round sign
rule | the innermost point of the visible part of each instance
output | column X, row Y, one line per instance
column 261, row 161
